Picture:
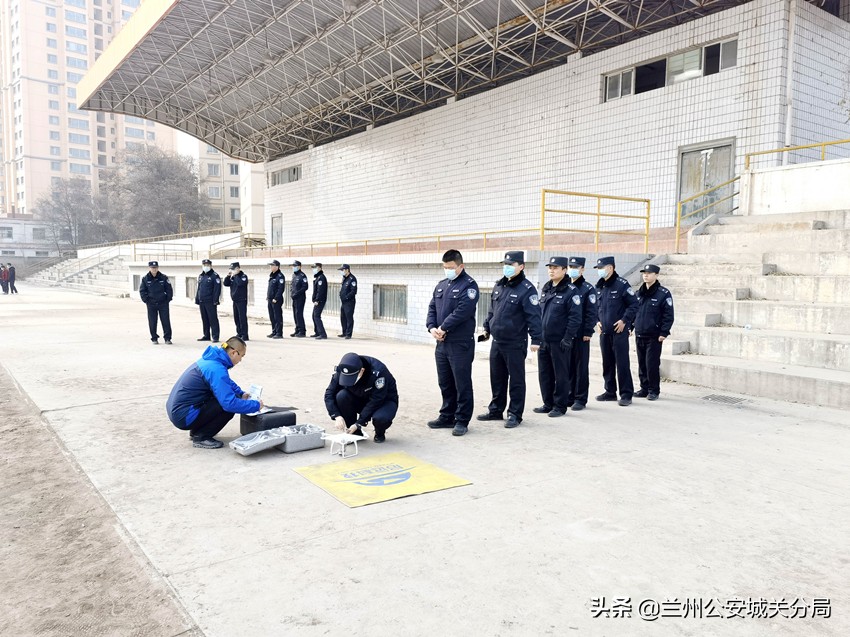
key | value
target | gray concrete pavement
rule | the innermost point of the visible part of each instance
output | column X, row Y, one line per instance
column 681, row 498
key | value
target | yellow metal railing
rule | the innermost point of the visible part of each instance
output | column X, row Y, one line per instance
column 786, row 149
column 598, row 214
column 165, row 237
column 681, row 204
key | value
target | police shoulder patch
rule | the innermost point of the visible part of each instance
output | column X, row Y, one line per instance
column 630, row 291
column 534, row 299
column 217, row 280
column 320, row 282
column 577, row 299
column 592, row 298
column 354, row 284
column 472, row 293
column 379, row 382
column 670, row 301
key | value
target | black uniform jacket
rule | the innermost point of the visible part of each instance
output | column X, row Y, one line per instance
column 155, row 290
column 514, row 311
column 452, row 307
column 616, row 302
column 320, row 287
column 238, row 284
column 560, row 309
column 655, row 311
column 377, row 385
column 209, row 288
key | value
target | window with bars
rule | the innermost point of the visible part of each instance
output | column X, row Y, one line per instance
column 389, row 303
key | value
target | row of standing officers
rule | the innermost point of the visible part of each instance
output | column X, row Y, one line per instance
column 560, row 321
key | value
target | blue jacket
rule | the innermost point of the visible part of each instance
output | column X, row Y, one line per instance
column 209, row 288
column 560, row 309
column 589, row 315
column 453, row 306
column 298, row 284
column 205, row 379
column 277, row 286
column 616, row 302
column 377, row 386
column 655, row 311
column 238, row 285
column 514, row 312
column 348, row 289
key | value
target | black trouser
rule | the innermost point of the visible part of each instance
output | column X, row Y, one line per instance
column 298, row 313
column 649, row 363
column 615, row 363
column 240, row 318
column 164, row 317
column 210, row 420
column 346, row 317
column 507, row 371
column 5, row 285
column 579, row 372
column 318, row 326
column 553, row 370
column 276, row 316
column 12, row 287
column 351, row 406
column 454, row 375
column 209, row 319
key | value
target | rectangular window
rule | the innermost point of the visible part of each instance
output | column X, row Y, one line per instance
column 101, row 147
column 42, row 253
column 55, row 150
column 728, row 54
column 51, row 43
column 285, row 176
column 52, row 59
column 5, row 232
column 80, row 169
column 53, row 89
column 684, row 66
column 79, row 153
column 50, row 12
column 101, row 132
column 101, row 160
column 213, row 170
column 53, row 120
column 54, row 135
column 390, row 303
column 7, row 253
column 76, row 47
column 130, row 119
column 79, row 124
column 235, row 214
column 151, row 136
column 234, row 191
column 75, row 32
column 618, row 85
column 74, row 78
column 53, row 105
column 212, row 150
column 51, row 27
column 213, row 192
column 56, row 165
column 39, row 234
column 71, row 92
column 133, row 132
column 76, row 138
column 77, row 63
column 134, row 146
column 76, row 3
column 234, row 169
column 75, row 16
column 191, row 286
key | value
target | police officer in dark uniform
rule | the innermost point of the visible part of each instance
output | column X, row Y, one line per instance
column 652, row 325
column 451, row 321
column 617, row 306
column 320, row 297
column 298, row 292
column 514, row 315
column 207, row 298
column 274, row 298
column 156, row 293
column 237, row 281
column 580, row 355
column 560, row 310
column 348, row 299
column 362, row 389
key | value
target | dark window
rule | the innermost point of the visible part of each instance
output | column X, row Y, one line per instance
column 712, row 59
column 650, row 76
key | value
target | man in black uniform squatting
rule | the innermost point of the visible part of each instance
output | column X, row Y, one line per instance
column 652, row 325
column 560, row 310
column 156, row 293
column 207, row 298
column 617, row 306
column 274, row 298
column 362, row 389
column 320, row 297
column 348, row 299
column 514, row 315
column 580, row 355
column 298, row 291
column 451, row 321
column 237, row 281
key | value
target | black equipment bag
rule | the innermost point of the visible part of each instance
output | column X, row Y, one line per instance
column 280, row 417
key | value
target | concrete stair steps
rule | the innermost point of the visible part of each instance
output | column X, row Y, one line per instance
column 98, row 290
column 696, row 319
column 795, row 261
column 714, row 259
column 727, row 280
column 829, row 351
column 828, row 318
column 806, row 289
column 699, row 271
column 730, row 292
column 767, row 226
column 794, row 383
column 812, row 241
column 833, row 218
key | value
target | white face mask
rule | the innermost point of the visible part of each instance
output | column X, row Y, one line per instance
column 206, row 268
column 296, row 268
column 315, row 270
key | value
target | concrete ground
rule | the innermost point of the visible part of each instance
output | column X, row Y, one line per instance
column 681, row 499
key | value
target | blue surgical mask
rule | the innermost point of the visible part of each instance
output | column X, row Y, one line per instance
column 573, row 272
column 315, row 270
column 602, row 273
column 296, row 268
column 509, row 270
column 451, row 275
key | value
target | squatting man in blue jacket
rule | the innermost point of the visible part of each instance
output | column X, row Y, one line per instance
column 205, row 398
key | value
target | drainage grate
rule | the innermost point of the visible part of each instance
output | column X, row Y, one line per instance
column 725, row 400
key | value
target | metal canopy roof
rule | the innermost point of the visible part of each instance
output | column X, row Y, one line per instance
column 262, row 79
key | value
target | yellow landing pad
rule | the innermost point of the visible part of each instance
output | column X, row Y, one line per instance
column 360, row 481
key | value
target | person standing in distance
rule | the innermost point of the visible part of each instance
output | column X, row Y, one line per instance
column 274, row 298
column 320, row 297
column 156, row 292
column 237, row 281
column 348, row 299
column 580, row 355
column 12, row 274
column 514, row 315
column 560, row 309
column 617, row 306
column 451, row 321
column 298, row 292
column 207, row 298
column 652, row 326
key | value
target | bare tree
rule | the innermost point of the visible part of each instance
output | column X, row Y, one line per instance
column 70, row 213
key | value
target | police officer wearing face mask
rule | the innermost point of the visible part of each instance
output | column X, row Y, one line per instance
column 514, row 315
column 156, row 292
column 298, row 292
column 274, row 298
column 451, row 321
column 207, row 298
column 560, row 309
column 320, row 297
column 237, row 281
column 617, row 307
column 580, row 355
column 348, row 299
column 652, row 326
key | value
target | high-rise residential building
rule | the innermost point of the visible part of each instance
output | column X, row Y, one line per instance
column 219, row 179
column 46, row 46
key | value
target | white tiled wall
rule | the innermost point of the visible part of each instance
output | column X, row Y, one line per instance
column 481, row 162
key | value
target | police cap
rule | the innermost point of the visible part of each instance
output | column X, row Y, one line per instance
column 234, row 265
column 349, row 367
column 603, row 261
column 650, row 267
column 317, row 265
column 559, row 261
column 577, row 261
column 153, row 264
column 344, row 266
column 516, row 256
column 274, row 262
column 296, row 263
column 206, row 262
